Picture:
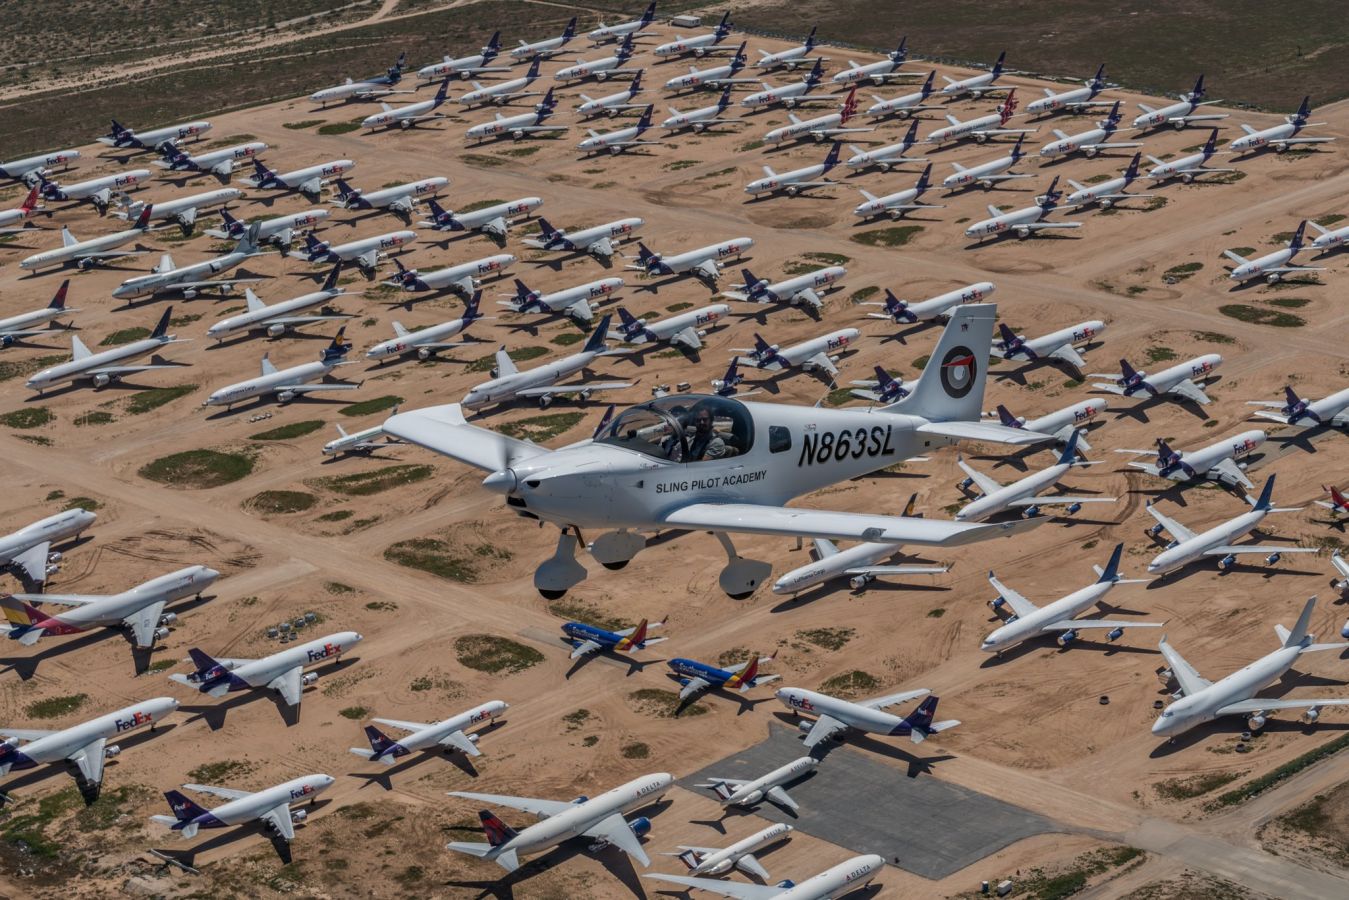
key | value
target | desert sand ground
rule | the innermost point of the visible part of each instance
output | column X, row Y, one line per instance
column 1033, row 732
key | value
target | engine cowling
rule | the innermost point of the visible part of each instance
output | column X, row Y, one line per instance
column 1273, row 558
column 299, row 815
column 804, row 726
column 1072, row 508
column 286, row 396
column 168, row 618
column 1067, row 637
column 54, row 556
column 276, row 330
column 424, row 353
column 1164, row 675
column 965, row 485
column 545, row 401
column 111, row 750
column 997, row 603
column 1227, row 562
column 1273, row 278
column 1030, row 512
column 640, row 825
column 1114, row 635
column 857, row 582
column 101, row 380
column 309, row 678
column 1311, row 715
column 1155, row 529
column 189, row 293
column 1255, row 723
column 161, row 633
column 1105, row 204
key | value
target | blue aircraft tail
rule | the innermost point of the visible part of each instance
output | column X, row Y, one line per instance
column 184, row 808
column 595, row 343
column 1111, row 571
column 162, row 328
column 1266, row 496
column 1069, row 454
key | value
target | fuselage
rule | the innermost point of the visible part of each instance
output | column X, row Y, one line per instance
column 1196, row 547
column 60, row 745
column 1000, row 500
column 432, row 735
column 116, row 608
column 18, row 168
column 77, row 368
column 261, row 318
column 586, row 814
column 830, row 567
column 1202, row 706
column 51, row 530
column 274, row 382
column 247, row 809
column 854, row 715
column 1032, row 624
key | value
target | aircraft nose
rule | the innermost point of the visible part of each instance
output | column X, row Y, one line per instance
column 211, row 574
column 502, row 482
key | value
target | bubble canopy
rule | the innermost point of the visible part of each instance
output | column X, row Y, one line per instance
column 661, row 428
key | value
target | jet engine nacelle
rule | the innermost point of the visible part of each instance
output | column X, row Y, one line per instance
column 495, row 372
column 1273, row 278
column 1311, row 715
column 1022, row 233
column 1273, row 558
column 111, row 750
column 286, row 396
column 1155, row 530
column 804, row 726
column 1072, row 508
column 299, row 815
column 1178, row 124
column 857, row 582
column 965, row 485
column 1114, row 635
column 168, row 618
column 1105, row 204
column 997, row 603
column 309, row 678
column 101, row 380
column 545, row 401
column 1256, row 722
column 54, row 556
column 1030, row 512
column 425, row 353
column 1171, row 545
column 7, row 340
column 276, row 330
column 1164, row 675
column 1067, row 637
column 640, row 825
column 1227, row 562
column 161, row 633
column 1344, row 631
column 472, row 738
column 191, row 293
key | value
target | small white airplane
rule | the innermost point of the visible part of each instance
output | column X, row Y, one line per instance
column 278, row 231
column 603, row 819
column 600, row 69
column 703, row 263
column 1060, row 425
column 83, row 747
column 1181, row 380
column 1023, row 495
column 820, row 128
column 14, row 329
column 698, row 45
column 1186, row 546
column 541, row 383
column 548, row 47
column 28, row 551
column 27, row 169
column 1188, row 168
column 836, row 881
column 796, row 181
column 110, row 365
column 366, row 88
column 612, row 104
column 1076, row 101
column 1025, row 222
column 194, row 279
column 91, row 252
column 788, row 95
column 1178, row 115
column 976, row 85
column 294, row 381
column 740, row 855
column 801, row 290
column 600, row 241
column 750, row 793
column 1200, row 700
column 427, row 342
column 1060, row 345
column 1091, row 142
column 494, row 220
column 125, row 138
column 987, row 174
column 308, row 181
column 465, row 66
column 282, row 671
column 1106, row 194
column 270, row 806
column 1280, row 137
column 464, row 279
column 903, row 312
column 702, row 119
column 834, row 718
column 219, row 163
column 182, row 210
column 98, row 191
column 1028, row 621
column 633, row 28
column 409, row 115
column 982, row 128
column 905, row 106
column 898, row 204
column 30, row 206
column 1216, row 462
column 685, row 330
column 140, row 609
column 278, row 318
column 365, row 253
column 718, row 77
column 1329, row 239
column 576, row 303
column 367, row 440
column 878, row 73
column 1328, row 412
column 400, row 199
column 620, row 140
column 448, row 734
column 1272, row 267
column 820, row 354
column 502, row 92
column 791, row 57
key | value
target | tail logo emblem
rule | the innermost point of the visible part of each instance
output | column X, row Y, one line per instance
column 957, row 372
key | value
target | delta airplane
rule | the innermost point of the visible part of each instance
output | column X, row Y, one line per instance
column 600, row 241
column 1106, row 194
column 1280, row 137
column 367, row 440
column 366, row 253
column 1331, row 412
column 123, row 137
column 278, row 318
column 1028, row 621
column 791, row 57
column 1091, row 142
column 13, row 329
column 429, row 341
column 1060, row 425
column 860, row 564
column 703, row 263
column 789, row 95
column 270, row 806
column 91, row 252
column 718, row 77
column 750, row 793
column 796, row 181
column 1186, row 546
column 448, row 735
column 740, row 855
column 28, row 551
column 193, row 279
column 903, row 312
column 697, row 678
column 1200, row 700
column 139, row 609
column 685, row 330
column 698, row 45
column 602, row 819
column 700, row 120
column 464, row 279
column 502, row 92
column 401, row 199
column 600, row 69
column 1272, row 266
column 1328, row 239
column 1023, row 495
column 976, row 85
column 878, row 73
column 292, row 382
column 884, row 388
column 107, row 366
column 627, row 30
column 98, row 191
column 1078, row 100
column 620, row 140
column 467, row 66
column 184, row 210
column 835, row 717
column 813, row 355
column 905, row 106
column 898, row 204
column 778, row 452
column 1336, row 504
column 988, row 174
column 548, row 47
column 612, row 104
column 586, row 639
column 1190, row 167
column 1181, row 380
column 844, row 878
column 1178, row 115
column 1024, row 222
column 803, row 290
column 819, row 128
column 509, row 383
column 1216, row 462
column 277, row 231
column 84, row 745
column 282, row 671
column 24, row 210
column 1060, row 345
column 25, row 169
column 575, row 302
column 366, row 88
column 982, row 128
column 409, row 115
column 219, row 163
column 308, row 181
column 493, row 220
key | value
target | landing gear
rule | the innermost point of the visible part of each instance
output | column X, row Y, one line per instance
column 741, row 576
column 556, row 575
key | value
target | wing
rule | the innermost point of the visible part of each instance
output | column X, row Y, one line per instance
column 751, row 866
column 89, row 759
column 1255, row 704
column 984, row 431
column 1059, row 500
column 222, row 793
column 1189, row 680
column 540, row 808
column 892, row 699
column 129, row 370
column 986, row 484
column 897, row 570
column 688, row 337
column 1019, row 604
column 734, row 889
column 1173, row 528
column 143, row 623
column 317, row 388
column 749, row 518
column 1257, row 548
column 616, row 831
column 603, row 248
column 695, row 686
column 444, row 430
column 1190, row 391
column 585, row 648
column 25, row 734
column 1075, row 624
column 1069, row 355
column 779, row 796
column 63, row 599
column 279, row 818
column 460, row 741
column 402, row 725
column 824, row 728
column 822, row 361
column 1228, row 470
column 289, row 684
column 707, row 269
column 33, row 561
column 553, row 390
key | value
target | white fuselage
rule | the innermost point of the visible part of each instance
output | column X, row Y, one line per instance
column 964, row 129
column 610, row 139
column 434, row 735
column 1166, row 379
column 389, row 196
column 608, row 103
column 539, row 48
column 488, row 214
column 280, row 228
column 787, row 94
column 721, row 861
column 461, row 278
column 698, row 119
column 838, row 880
column 1257, row 267
column 273, row 383
column 410, row 343
column 976, row 174
column 599, row 68
column 882, row 205
column 566, row 299
column 784, row 181
column 943, row 303
column 683, row 262
column 884, row 158
column 60, row 745
column 804, row 128
column 159, row 281
column 114, row 609
column 1043, row 346
column 789, row 57
column 854, row 715
column 76, row 251
column 207, row 162
column 79, row 368
column 506, row 387
column 294, row 180
column 874, row 71
column 790, row 290
column 1202, row 706
column 752, row 792
column 1198, row 463
column 462, row 67
column 1075, row 416
column 696, row 44
column 1165, row 114
column 380, row 244
column 1007, row 222
column 904, row 105
column 351, row 89
column 352, row 441
column 582, row 240
column 1089, row 195
column 956, row 88
column 698, row 78
column 51, row 530
column 260, row 672
column 25, row 321
column 1056, row 102
column 1000, row 500
column 18, row 168
column 500, row 92
column 1331, row 239
column 156, row 136
column 830, row 567
column 1264, row 138
column 262, row 318
column 254, row 806
column 171, row 209
column 1031, row 625
column 122, row 181
column 800, row 354
column 1197, row 547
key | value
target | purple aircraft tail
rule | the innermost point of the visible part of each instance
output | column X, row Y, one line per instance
column 997, row 70
column 233, row 227
column 921, row 719
column 911, row 136
column 927, row 85
column 631, row 326
column 184, row 808
column 1131, row 172
column 1128, row 371
column 1296, row 243
column 1007, row 419
column 1304, row 111
column 381, row 743
column 604, row 422
column 546, row 229
column 1197, row 92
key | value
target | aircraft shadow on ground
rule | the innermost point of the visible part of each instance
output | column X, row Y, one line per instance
column 44, row 772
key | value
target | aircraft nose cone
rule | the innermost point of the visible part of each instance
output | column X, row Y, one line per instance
column 210, row 574
column 503, row 482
